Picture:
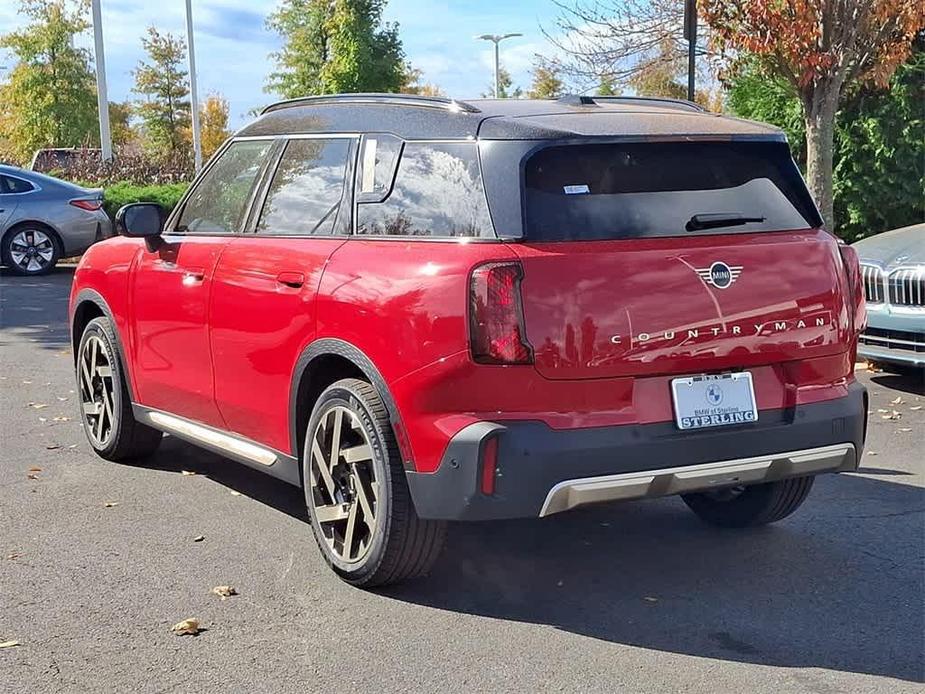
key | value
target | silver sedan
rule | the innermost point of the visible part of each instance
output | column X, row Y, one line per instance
column 43, row 219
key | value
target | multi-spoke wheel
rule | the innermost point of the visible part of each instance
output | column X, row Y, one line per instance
column 357, row 496
column 94, row 373
column 344, row 486
column 30, row 251
column 751, row 505
column 105, row 405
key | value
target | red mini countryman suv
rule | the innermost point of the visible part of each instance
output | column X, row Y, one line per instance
column 422, row 310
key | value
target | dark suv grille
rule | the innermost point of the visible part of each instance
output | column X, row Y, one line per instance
column 894, row 339
column 907, row 287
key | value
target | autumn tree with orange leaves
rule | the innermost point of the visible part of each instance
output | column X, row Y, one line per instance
column 823, row 48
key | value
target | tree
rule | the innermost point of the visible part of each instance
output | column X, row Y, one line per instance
column 825, row 50
column 333, row 46
column 547, row 82
column 412, row 83
column 49, row 99
column 165, row 110
column 120, row 127
column 611, row 41
column 661, row 73
column 607, row 88
column 879, row 142
column 213, row 121
column 505, row 82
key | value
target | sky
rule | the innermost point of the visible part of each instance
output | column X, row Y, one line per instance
column 232, row 43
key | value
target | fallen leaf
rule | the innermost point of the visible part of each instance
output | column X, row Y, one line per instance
column 14, row 555
column 904, row 430
column 227, row 591
column 27, row 383
column 35, row 469
column 897, row 401
column 52, row 447
column 860, row 366
column 60, row 399
column 187, row 473
column 871, row 452
column 8, row 644
column 199, row 538
column 61, row 419
column 235, row 493
column 43, row 419
column 650, row 599
column 37, row 405
column 893, row 415
column 110, row 504
column 915, row 408
column 188, row 627
column 882, row 410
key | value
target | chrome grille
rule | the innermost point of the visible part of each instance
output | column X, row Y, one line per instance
column 907, row 287
column 873, row 283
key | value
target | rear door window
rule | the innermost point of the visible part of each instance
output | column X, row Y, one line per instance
column 220, row 199
column 641, row 190
column 307, row 190
column 437, row 192
column 10, row 185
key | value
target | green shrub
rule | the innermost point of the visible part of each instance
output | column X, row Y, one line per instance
column 167, row 195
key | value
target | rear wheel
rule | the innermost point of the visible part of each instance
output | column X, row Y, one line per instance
column 30, row 250
column 106, row 408
column 355, row 489
column 759, row 504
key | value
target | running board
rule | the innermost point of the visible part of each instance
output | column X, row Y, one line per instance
column 697, row 478
column 224, row 443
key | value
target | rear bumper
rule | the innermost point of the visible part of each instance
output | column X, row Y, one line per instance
column 542, row 471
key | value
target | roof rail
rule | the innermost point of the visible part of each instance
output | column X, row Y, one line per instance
column 440, row 102
column 582, row 100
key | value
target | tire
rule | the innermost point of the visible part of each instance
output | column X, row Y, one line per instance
column 388, row 542
column 30, row 250
column 105, row 404
column 750, row 506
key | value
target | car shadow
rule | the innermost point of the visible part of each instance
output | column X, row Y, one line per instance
column 838, row 586
column 36, row 307
column 911, row 381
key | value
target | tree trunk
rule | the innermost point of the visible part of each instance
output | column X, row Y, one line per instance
column 820, row 134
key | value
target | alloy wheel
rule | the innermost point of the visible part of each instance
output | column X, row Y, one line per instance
column 97, row 388
column 344, row 486
column 32, row 250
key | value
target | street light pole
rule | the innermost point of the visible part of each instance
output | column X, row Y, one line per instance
column 497, row 39
column 690, row 33
column 102, row 100
column 193, row 91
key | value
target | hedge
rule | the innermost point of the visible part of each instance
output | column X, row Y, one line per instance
column 167, row 195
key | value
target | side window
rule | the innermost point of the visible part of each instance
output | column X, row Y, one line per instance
column 377, row 166
column 307, row 188
column 218, row 203
column 9, row 185
column 437, row 192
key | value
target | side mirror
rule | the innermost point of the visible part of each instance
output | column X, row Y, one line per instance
column 141, row 220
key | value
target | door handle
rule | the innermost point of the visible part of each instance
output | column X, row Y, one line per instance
column 291, row 279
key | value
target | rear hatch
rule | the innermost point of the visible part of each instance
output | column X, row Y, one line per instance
column 669, row 258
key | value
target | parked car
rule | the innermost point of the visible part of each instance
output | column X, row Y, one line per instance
column 43, row 219
column 893, row 269
column 422, row 310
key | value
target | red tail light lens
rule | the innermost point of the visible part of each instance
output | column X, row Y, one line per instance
column 496, row 324
column 852, row 265
column 88, row 205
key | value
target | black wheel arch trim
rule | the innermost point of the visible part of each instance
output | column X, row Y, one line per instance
column 336, row 347
column 85, row 296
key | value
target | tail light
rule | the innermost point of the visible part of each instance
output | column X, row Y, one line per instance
column 90, row 205
column 496, row 320
column 855, row 287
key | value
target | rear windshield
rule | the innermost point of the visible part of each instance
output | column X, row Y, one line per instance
column 641, row 190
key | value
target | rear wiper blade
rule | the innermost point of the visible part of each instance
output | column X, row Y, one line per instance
column 715, row 220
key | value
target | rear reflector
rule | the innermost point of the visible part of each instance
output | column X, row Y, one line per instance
column 489, row 465
column 496, row 322
column 89, row 205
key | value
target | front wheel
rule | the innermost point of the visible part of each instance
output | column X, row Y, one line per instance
column 361, row 511
column 759, row 504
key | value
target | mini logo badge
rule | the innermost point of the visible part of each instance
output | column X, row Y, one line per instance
column 719, row 274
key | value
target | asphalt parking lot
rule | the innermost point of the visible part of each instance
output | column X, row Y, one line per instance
column 98, row 560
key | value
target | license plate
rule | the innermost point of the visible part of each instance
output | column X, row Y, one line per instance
column 714, row 401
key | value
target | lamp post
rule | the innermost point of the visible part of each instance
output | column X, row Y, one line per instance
column 102, row 100
column 193, row 91
column 496, row 39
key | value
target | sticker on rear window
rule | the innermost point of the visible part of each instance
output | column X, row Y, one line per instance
column 576, row 190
